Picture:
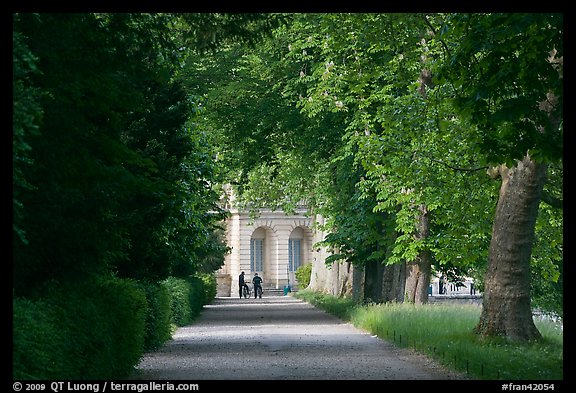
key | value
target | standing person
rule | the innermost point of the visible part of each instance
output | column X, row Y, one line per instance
column 257, row 281
column 441, row 285
column 241, row 283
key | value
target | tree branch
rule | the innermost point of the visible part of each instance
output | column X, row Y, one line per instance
column 553, row 201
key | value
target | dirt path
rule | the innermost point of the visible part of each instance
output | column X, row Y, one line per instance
column 280, row 338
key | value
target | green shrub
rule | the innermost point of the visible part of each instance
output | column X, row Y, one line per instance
column 188, row 296
column 107, row 320
column 303, row 274
column 210, row 286
column 36, row 340
column 81, row 330
column 123, row 333
column 196, row 296
column 179, row 291
column 99, row 328
column 158, row 328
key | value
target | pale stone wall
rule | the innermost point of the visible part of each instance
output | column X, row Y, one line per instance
column 224, row 284
column 333, row 280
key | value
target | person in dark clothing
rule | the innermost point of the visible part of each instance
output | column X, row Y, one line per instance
column 441, row 288
column 241, row 283
column 257, row 281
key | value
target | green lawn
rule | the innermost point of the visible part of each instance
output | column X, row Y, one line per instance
column 444, row 332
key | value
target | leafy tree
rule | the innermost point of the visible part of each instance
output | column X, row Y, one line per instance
column 26, row 115
column 507, row 73
column 121, row 182
column 112, row 176
column 67, row 232
column 418, row 108
column 396, row 131
column 402, row 123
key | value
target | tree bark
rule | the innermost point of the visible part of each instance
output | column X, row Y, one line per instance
column 418, row 271
column 394, row 283
column 358, row 274
column 506, row 307
column 374, row 272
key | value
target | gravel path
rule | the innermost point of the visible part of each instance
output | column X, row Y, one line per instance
column 280, row 338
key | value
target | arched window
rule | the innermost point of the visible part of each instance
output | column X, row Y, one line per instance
column 295, row 249
column 257, row 250
column 256, row 254
column 294, row 254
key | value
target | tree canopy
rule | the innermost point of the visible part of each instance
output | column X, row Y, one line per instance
column 126, row 126
column 371, row 117
column 111, row 174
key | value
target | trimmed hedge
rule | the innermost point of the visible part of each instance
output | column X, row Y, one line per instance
column 158, row 328
column 99, row 329
column 187, row 298
column 37, row 351
column 73, row 334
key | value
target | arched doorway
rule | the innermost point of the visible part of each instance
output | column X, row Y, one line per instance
column 262, row 255
column 257, row 251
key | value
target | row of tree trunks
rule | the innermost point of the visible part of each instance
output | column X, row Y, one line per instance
column 506, row 307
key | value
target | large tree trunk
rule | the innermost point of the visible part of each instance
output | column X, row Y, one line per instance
column 373, row 282
column 345, row 280
column 358, row 280
column 394, row 283
column 391, row 284
column 418, row 271
column 506, row 307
